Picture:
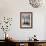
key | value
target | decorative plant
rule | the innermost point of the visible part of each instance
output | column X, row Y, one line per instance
column 6, row 24
column 36, row 3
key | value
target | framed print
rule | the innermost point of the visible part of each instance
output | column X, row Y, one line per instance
column 25, row 19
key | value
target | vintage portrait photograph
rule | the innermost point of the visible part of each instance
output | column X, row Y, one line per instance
column 25, row 19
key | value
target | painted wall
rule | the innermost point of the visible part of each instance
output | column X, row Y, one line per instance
column 12, row 8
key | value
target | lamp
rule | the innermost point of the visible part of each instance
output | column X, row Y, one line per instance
column 36, row 3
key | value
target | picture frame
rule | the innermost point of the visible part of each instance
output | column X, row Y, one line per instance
column 26, row 20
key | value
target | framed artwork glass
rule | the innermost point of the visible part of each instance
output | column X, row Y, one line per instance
column 26, row 19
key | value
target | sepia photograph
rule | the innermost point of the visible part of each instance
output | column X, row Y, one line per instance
column 25, row 19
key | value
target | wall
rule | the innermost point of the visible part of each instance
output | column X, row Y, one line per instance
column 12, row 8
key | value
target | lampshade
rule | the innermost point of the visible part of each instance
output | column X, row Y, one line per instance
column 36, row 3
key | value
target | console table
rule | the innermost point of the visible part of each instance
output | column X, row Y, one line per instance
column 27, row 43
column 22, row 43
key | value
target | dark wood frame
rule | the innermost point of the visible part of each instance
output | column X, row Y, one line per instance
column 21, row 19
